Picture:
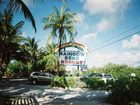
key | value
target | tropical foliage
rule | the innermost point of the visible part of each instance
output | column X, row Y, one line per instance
column 95, row 83
column 20, row 55
column 10, row 39
column 31, row 48
column 116, row 70
column 51, row 60
column 125, row 91
column 20, row 6
column 17, row 69
column 64, row 82
column 124, row 88
column 62, row 25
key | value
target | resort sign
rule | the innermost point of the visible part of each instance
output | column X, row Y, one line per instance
column 72, row 57
column 76, row 57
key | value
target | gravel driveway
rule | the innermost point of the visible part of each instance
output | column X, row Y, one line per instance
column 45, row 95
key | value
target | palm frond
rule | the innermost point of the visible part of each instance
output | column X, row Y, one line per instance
column 7, row 17
column 61, row 25
column 72, row 33
column 56, row 11
column 47, row 26
column 18, row 39
column 17, row 27
column 53, row 17
column 19, row 6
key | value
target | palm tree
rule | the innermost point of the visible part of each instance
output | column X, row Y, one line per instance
column 31, row 47
column 51, row 59
column 40, row 65
column 61, row 25
column 10, row 38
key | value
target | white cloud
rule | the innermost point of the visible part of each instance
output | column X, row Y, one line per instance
column 101, row 59
column 87, row 39
column 80, row 18
column 90, row 36
column 105, row 7
column 100, row 6
column 134, row 42
column 111, row 11
column 104, row 24
column 130, row 58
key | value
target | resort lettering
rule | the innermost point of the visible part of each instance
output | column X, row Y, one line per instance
column 72, row 57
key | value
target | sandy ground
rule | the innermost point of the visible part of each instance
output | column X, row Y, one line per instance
column 45, row 95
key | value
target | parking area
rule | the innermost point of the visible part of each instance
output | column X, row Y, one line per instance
column 45, row 95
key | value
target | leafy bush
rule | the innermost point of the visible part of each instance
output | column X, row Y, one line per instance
column 109, row 84
column 59, row 82
column 95, row 83
column 125, row 91
column 63, row 82
column 17, row 69
column 71, row 81
column 15, row 66
column 116, row 70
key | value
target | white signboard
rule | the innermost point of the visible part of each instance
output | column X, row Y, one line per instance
column 72, row 57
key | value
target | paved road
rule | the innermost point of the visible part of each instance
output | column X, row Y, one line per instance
column 54, row 96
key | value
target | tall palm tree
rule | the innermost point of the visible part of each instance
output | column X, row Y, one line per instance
column 61, row 25
column 31, row 46
column 10, row 38
column 51, row 59
column 42, row 52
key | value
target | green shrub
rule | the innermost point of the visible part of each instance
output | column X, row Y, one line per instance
column 125, row 90
column 109, row 84
column 71, row 81
column 95, row 83
column 58, row 82
column 63, row 82
column 17, row 69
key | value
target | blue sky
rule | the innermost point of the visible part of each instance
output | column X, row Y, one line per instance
column 99, row 20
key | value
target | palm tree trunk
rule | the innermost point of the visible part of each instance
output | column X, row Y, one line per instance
column 61, row 33
column 59, row 57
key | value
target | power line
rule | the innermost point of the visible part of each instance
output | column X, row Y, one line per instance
column 117, row 35
column 114, row 42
